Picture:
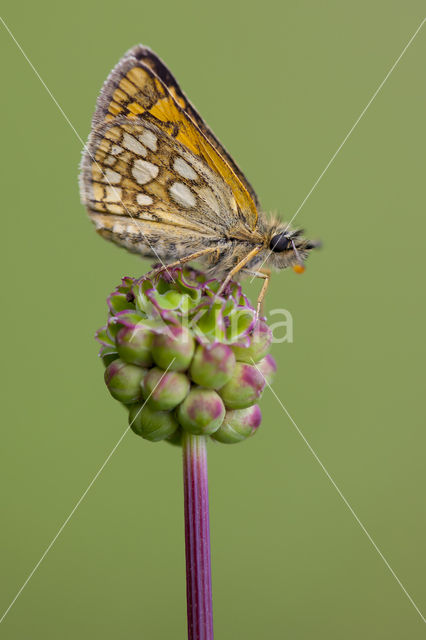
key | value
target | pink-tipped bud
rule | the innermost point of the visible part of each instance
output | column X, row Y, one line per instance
column 238, row 425
column 244, row 388
column 268, row 367
column 202, row 412
column 134, row 345
column 124, row 381
column 173, row 348
column 212, row 365
column 164, row 390
column 150, row 424
column 260, row 341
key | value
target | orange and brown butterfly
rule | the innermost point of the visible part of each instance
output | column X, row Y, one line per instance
column 156, row 181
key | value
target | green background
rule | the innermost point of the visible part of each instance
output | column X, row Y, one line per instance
column 281, row 83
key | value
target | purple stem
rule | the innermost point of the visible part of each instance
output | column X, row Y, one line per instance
column 197, row 538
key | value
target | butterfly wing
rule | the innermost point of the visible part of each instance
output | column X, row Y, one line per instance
column 151, row 60
column 135, row 91
column 149, row 239
column 133, row 168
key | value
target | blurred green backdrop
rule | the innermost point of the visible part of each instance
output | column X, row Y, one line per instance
column 281, row 83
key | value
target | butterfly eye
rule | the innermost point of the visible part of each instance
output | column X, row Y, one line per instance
column 279, row 243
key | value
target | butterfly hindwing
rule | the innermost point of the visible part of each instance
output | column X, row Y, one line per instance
column 149, row 239
column 137, row 174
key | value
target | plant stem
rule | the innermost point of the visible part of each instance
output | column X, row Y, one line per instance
column 197, row 538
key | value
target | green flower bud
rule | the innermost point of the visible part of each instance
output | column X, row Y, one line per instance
column 260, row 341
column 173, row 348
column 268, row 368
column 134, row 345
column 164, row 390
column 150, row 424
column 124, row 381
column 212, row 365
column 238, row 425
column 244, row 388
column 201, row 412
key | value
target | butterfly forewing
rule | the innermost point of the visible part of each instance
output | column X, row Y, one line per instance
column 150, row 59
column 135, row 91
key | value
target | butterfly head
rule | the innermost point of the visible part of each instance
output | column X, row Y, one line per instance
column 288, row 248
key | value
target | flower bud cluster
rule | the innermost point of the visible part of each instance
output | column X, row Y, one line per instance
column 180, row 357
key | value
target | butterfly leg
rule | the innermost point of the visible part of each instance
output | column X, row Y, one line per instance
column 241, row 264
column 177, row 263
column 264, row 274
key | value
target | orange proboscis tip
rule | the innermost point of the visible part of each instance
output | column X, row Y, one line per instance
column 299, row 268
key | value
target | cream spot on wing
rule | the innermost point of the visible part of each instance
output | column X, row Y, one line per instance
column 110, row 160
column 118, row 228
column 113, row 208
column 184, row 169
column 182, row 195
column 116, row 149
column 209, row 198
column 113, row 194
column 149, row 139
column 133, row 145
column 143, row 199
column 112, row 176
column 144, row 171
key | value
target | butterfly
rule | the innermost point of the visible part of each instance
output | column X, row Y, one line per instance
column 156, row 181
